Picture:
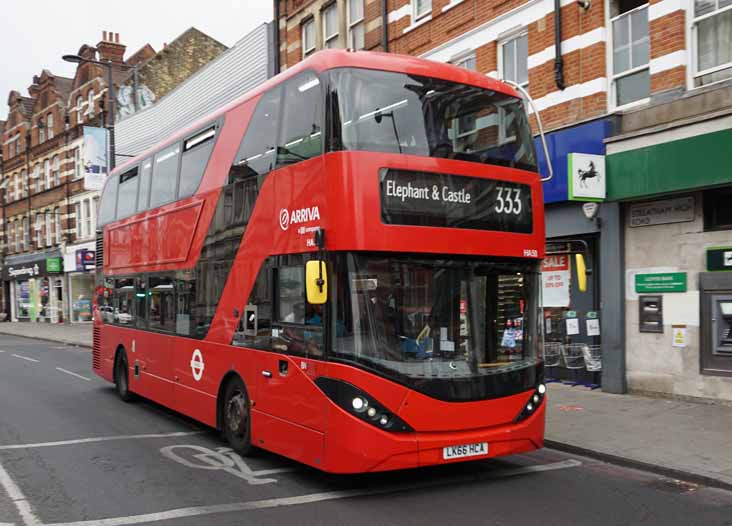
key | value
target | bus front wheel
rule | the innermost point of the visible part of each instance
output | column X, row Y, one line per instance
column 121, row 376
column 236, row 417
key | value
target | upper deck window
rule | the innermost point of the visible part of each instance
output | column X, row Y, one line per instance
column 397, row 113
column 108, row 205
column 300, row 135
column 165, row 176
column 127, row 193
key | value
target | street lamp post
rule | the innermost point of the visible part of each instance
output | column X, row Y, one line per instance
column 76, row 59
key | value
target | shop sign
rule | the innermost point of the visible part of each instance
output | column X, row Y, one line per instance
column 555, row 280
column 22, row 272
column 719, row 258
column 53, row 265
column 85, row 260
column 661, row 282
column 587, row 181
column 678, row 210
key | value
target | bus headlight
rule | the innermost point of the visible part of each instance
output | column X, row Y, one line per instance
column 361, row 405
column 532, row 404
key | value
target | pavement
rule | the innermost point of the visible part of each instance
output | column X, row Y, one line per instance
column 686, row 440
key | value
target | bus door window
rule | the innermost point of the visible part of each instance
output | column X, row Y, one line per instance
column 162, row 303
column 301, row 136
column 141, row 302
column 123, row 302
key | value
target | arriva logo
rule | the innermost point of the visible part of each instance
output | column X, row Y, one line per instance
column 300, row 215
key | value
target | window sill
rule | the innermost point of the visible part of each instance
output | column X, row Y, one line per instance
column 631, row 105
column 416, row 24
column 452, row 4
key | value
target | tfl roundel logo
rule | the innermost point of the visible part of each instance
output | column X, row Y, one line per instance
column 284, row 219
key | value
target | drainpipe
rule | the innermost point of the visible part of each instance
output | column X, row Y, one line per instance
column 558, row 62
column 384, row 26
column 277, row 37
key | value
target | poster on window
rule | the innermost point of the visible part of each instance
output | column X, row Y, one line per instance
column 94, row 157
column 555, row 280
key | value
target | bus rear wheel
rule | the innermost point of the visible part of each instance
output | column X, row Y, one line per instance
column 121, row 377
column 236, row 417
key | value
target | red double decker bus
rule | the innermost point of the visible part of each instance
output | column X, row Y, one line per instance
column 341, row 267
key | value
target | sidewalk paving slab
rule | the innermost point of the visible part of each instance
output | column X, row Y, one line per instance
column 679, row 438
column 72, row 334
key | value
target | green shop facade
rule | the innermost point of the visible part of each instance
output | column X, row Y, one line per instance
column 34, row 285
column 673, row 182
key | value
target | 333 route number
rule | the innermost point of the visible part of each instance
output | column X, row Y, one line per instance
column 508, row 200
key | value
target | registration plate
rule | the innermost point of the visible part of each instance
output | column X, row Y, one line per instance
column 465, row 450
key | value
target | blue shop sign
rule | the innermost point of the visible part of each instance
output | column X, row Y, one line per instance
column 583, row 138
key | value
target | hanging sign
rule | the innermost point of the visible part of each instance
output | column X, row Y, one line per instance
column 586, row 177
column 555, row 280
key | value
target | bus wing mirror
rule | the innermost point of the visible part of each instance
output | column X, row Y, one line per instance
column 316, row 282
column 581, row 272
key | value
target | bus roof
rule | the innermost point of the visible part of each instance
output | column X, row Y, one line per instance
column 327, row 59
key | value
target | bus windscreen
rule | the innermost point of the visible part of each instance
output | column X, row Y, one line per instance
column 397, row 113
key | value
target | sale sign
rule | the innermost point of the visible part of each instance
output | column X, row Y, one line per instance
column 555, row 280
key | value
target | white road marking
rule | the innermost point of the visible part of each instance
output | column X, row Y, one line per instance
column 198, row 511
column 26, row 358
column 100, row 439
column 21, row 503
column 223, row 458
column 73, row 374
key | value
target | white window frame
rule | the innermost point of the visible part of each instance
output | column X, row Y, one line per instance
column 693, row 37
column 90, row 103
column 416, row 15
column 56, row 170
column 510, row 39
column 77, row 216
column 11, row 148
column 39, row 230
column 612, row 76
column 77, row 162
column 462, row 58
column 37, row 176
column 306, row 51
column 49, row 126
column 18, row 183
column 41, row 131
column 26, row 232
column 47, row 173
column 24, row 183
column 87, row 205
column 57, row 224
column 49, row 228
column 333, row 37
column 352, row 24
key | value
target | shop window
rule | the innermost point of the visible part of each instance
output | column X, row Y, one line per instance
column 127, row 193
column 196, row 152
column 301, row 136
column 165, row 176
column 717, row 209
column 256, row 155
column 80, row 294
column 162, row 303
column 514, row 59
column 330, row 26
column 308, row 37
column 123, row 312
column 631, row 52
column 355, row 24
column 712, row 29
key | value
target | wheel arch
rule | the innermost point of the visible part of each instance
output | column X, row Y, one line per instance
column 228, row 377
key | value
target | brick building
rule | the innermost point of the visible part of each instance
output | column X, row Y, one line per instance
column 49, row 203
column 635, row 81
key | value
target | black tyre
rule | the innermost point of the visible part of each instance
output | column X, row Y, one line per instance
column 236, row 422
column 121, row 377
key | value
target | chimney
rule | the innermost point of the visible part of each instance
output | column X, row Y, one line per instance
column 110, row 48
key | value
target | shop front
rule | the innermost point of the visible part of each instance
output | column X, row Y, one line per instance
column 36, row 287
column 583, row 328
column 79, row 264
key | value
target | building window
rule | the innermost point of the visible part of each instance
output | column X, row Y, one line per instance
column 41, row 131
column 47, row 173
column 713, row 33
column 717, row 212
column 308, row 37
column 513, row 59
column 77, row 216
column 421, row 8
column 77, row 163
column 18, row 185
column 87, row 217
column 49, row 126
column 56, row 170
column 631, row 77
column 24, row 183
column 39, row 230
column 11, row 235
column 330, row 26
column 355, row 24
column 11, row 149
column 49, row 229
column 37, row 176
column 26, row 234
column 90, row 103
column 57, row 224
column 465, row 61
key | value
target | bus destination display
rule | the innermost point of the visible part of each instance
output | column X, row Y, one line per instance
column 432, row 199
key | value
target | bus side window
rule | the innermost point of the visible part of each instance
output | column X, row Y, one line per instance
column 256, row 155
column 108, row 204
column 122, row 308
column 257, row 332
column 165, row 176
column 127, row 193
column 196, row 153
column 141, row 302
column 143, row 196
column 300, row 134
column 185, row 300
column 162, row 303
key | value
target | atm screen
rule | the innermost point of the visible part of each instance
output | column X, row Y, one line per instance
column 726, row 308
